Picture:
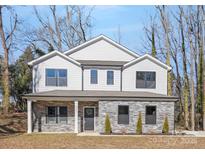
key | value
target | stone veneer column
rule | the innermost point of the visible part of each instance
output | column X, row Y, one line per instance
column 76, row 116
column 29, row 117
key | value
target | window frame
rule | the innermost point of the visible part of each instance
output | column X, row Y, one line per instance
column 145, row 76
column 146, row 114
column 110, row 83
column 120, row 123
column 57, row 115
column 47, row 115
column 91, row 78
column 57, row 77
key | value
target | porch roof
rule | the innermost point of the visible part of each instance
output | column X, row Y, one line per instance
column 92, row 95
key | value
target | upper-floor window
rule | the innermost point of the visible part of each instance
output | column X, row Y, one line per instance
column 145, row 79
column 110, row 77
column 93, row 76
column 56, row 77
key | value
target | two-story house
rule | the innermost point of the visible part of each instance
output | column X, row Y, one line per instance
column 73, row 91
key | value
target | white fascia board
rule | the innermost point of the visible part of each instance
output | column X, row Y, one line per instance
column 106, row 39
column 51, row 54
column 147, row 56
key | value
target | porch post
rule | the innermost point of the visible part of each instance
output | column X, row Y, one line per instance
column 29, row 116
column 76, row 117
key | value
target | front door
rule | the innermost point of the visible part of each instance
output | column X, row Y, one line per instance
column 89, row 118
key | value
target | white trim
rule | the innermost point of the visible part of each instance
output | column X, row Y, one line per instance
column 51, row 54
column 147, row 56
column 84, row 118
column 76, row 116
column 29, row 117
column 75, row 49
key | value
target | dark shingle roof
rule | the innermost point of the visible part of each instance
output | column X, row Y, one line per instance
column 101, row 95
column 102, row 63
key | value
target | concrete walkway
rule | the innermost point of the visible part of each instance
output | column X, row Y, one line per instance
column 194, row 133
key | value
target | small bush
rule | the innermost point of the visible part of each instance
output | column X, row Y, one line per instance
column 139, row 124
column 165, row 129
column 108, row 128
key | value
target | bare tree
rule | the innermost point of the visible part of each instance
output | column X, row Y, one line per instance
column 189, row 20
column 63, row 32
column 6, row 41
column 166, row 28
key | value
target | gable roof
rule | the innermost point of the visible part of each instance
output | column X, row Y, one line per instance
column 52, row 54
column 147, row 56
column 105, row 38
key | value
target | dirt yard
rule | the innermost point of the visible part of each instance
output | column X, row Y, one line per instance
column 47, row 141
column 13, row 123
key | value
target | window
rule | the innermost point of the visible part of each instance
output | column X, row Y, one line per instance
column 145, row 80
column 94, row 76
column 56, row 114
column 56, row 77
column 52, row 114
column 63, row 114
column 110, row 77
column 150, row 115
column 123, row 114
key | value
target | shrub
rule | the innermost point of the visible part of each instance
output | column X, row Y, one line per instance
column 165, row 129
column 139, row 124
column 108, row 128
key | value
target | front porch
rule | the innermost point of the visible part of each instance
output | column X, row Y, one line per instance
column 80, row 111
column 62, row 116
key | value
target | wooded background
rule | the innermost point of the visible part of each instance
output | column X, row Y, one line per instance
column 174, row 35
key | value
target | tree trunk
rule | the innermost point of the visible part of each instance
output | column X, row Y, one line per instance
column 153, row 43
column 203, row 39
column 186, row 80
column 192, row 81
column 6, row 93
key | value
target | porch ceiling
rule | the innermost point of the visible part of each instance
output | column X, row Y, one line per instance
column 91, row 95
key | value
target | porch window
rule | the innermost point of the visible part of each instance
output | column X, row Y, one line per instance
column 56, row 77
column 63, row 114
column 56, row 114
column 52, row 114
column 94, row 76
column 123, row 114
column 150, row 115
column 110, row 77
column 145, row 79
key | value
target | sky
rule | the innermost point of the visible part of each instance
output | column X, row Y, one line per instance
column 106, row 20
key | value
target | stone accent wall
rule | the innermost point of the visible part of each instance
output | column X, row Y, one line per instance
column 111, row 107
column 39, row 116
column 101, row 108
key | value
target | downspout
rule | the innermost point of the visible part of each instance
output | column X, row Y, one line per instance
column 82, row 78
column 121, row 79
